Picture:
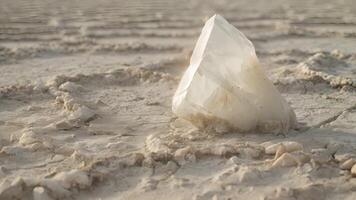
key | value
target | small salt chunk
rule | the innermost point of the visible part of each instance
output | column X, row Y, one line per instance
column 342, row 157
column 297, row 158
column 280, row 151
column 83, row 114
column 290, row 146
column 348, row 164
column 28, row 137
column 353, row 170
column 286, row 160
column 70, row 87
column 40, row 193
column 72, row 178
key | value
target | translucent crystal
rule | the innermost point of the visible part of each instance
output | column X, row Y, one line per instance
column 224, row 87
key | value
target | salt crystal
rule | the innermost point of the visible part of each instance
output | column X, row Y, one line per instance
column 225, row 88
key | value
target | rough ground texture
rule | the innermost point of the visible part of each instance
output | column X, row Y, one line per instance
column 85, row 102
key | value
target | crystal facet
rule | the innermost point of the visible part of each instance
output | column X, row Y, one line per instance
column 224, row 87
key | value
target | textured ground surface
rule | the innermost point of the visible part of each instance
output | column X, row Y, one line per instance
column 85, row 102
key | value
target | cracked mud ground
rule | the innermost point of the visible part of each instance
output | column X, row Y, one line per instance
column 86, row 89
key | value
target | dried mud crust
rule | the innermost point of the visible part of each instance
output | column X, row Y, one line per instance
column 303, row 163
column 307, row 161
column 11, row 55
column 52, row 120
column 111, row 135
column 97, row 131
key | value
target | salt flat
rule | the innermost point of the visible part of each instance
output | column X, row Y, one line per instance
column 86, row 90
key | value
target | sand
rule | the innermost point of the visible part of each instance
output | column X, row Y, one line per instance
column 86, row 90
